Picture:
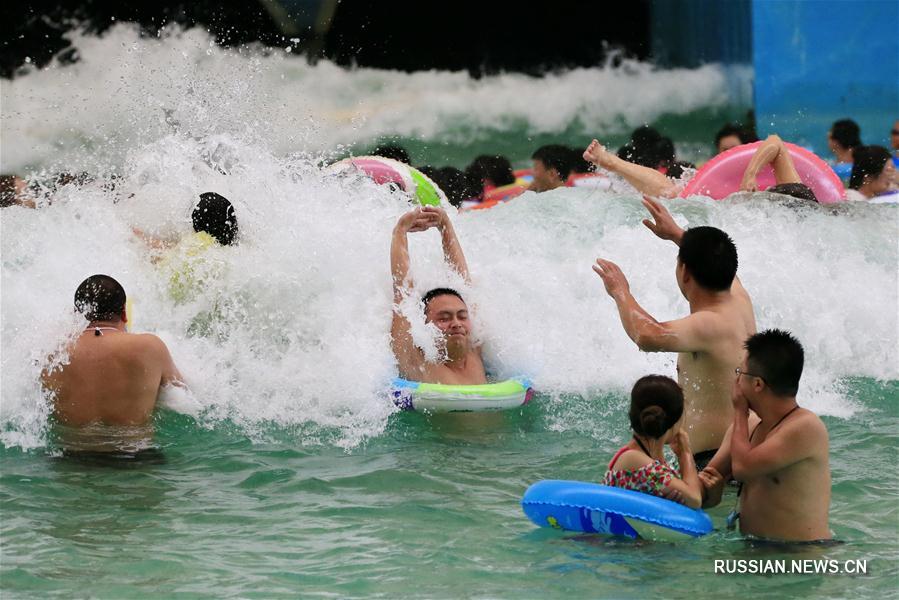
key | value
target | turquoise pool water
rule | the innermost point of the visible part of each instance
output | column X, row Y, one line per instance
column 287, row 471
column 428, row 509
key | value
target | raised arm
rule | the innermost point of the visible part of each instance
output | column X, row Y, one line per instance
column 689, row 334
column 665, row 228
column 646, row 180
column 452, row 249
column 409, row 357
column 688, row 489
column 772, row 152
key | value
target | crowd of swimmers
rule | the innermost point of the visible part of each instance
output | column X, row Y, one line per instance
column 866, row 171
column 731, row 415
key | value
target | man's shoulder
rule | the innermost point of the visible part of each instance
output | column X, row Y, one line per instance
column 808, row 431
column 144, row 343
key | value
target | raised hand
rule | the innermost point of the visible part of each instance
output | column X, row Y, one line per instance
column 738, row 399
column 597, row 154
column 437, row 215
column 612, row 277
column 663, row 224
column 680, row 443
column 416, row 220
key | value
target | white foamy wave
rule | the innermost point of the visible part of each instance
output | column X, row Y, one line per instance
column 129, row 90
column 294, row 330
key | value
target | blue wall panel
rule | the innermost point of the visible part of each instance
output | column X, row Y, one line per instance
column 823, row 60
column 690, row 33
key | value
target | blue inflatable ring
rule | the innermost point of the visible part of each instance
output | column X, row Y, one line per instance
column 595, row 508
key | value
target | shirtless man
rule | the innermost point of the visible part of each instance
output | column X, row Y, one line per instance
column 112, row 377
column 460, row 361
column 782, row 456
column 653, row 183
column 709, row 341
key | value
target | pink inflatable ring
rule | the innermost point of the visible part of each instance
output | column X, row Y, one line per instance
column 721, row 176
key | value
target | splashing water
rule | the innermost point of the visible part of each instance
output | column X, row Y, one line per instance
column 292, row 335
column 128, row 91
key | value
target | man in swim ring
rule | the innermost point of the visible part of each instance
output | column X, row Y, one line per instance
column 709, row 341
column 653, row 183
column 460, row 360
column 781, row 456
column 112, row 377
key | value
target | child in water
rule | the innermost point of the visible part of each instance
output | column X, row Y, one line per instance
column 657, row 405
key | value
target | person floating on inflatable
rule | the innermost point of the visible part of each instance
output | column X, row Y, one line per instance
column 781, row 457
column 872, row 174
column 460, row 361
column 739, row 169
column 709, row 340
column 657, row 405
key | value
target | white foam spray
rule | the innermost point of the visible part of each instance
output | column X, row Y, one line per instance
column 298, row 340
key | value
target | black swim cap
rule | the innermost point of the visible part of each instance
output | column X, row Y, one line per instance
column 214, row 215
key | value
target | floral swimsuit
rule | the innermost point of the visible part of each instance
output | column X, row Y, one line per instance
column 649, row 479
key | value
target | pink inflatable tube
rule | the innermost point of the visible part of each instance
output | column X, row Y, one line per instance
column 722, row 175
column 380, row 170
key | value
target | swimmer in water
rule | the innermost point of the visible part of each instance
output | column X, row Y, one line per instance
column 551, row 167
column 709, row 341
column 651, row 182
column 657, row 405
column 781, row 456
column 182, row 261
column 873, row 173
column 112, row 377
column 460, row 360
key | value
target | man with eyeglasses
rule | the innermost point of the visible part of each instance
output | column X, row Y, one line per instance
column 779, row 454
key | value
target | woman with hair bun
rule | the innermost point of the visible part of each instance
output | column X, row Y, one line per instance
column 657, row 405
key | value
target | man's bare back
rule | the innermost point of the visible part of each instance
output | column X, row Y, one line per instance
column 707, row 376
column 113, row 378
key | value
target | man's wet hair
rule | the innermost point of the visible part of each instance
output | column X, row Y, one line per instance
column 100, row 298
column 797, row 190
column 441, row 291
column 867, row 163
column 643, row 148
column 496, row 168
column 730, row 129
column 555, row 156
column 455, row 185
column 777, row 357
column 214, row 215
column 657, row 403
column 710, row 257
column 847, row 133
column 392, row 151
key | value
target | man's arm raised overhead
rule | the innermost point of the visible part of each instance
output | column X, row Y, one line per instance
column 452, row 249
column 409, row 357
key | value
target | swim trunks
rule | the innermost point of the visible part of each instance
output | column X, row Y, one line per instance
column 147, row 456
column 702, row 459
